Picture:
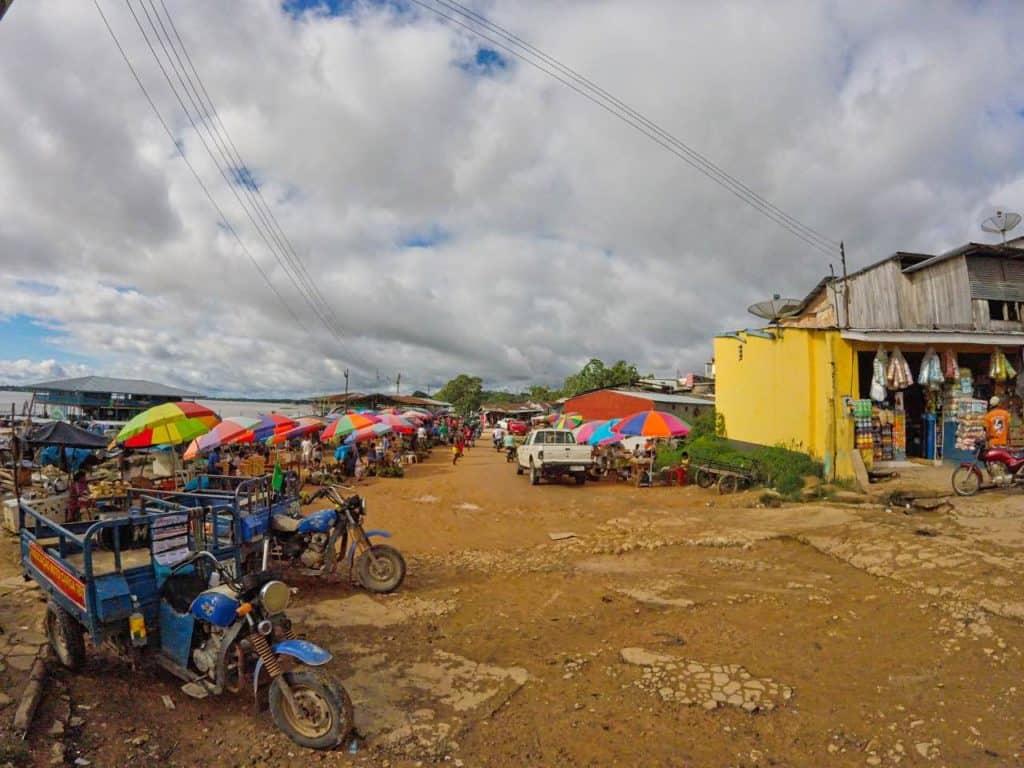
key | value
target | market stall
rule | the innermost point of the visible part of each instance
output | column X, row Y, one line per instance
column 929, row 402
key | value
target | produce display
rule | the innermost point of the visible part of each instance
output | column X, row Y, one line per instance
column 108, row 489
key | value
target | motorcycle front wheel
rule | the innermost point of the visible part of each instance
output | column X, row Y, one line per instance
column 381, row 569
column 322, row 715
column 966, row 481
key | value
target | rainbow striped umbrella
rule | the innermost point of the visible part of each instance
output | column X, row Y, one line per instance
column 371, row 432
column 583, row 432
column 167, row 424
column 269, row 424
column 567, row 421
column 225, row 432
column 397, row 423
column 347, row 424
column 652, row 424
column 306, row 426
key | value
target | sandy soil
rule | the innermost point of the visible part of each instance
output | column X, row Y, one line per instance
column 676, row 627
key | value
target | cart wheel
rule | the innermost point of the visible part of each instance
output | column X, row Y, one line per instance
column 728, row 484
column 704, row 478
column 67, row 638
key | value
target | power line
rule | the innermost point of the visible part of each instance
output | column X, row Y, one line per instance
column 224, row 172
column 602, row 98
column 213, row 119
column 195, row 174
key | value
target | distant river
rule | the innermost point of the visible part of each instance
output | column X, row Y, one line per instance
column 223, row 407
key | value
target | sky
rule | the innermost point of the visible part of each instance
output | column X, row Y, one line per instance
column 460, row 211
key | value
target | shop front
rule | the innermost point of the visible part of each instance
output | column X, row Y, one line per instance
column 925, row 394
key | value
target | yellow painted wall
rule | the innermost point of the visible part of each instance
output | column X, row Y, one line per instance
column 782, row 390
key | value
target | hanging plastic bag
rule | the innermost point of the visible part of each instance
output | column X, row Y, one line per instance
column 922, row 375
column 898, row 375
column 950, row 365
column 878, row 367
column 936, row 378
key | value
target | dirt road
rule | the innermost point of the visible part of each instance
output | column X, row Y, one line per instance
column 675, row 627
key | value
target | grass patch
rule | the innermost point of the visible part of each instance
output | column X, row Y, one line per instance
column 780, row 467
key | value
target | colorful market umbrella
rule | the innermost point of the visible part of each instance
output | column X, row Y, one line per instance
column 269, row 424
column 306, row 426
column 652, row 424
column 567, row 421
column 225, row 432
column 604, row 434
column 347, row 424
column 585, row 430
column 397, row 423
column 167, row 424
column 371, row 432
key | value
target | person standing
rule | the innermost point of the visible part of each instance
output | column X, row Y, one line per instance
column 997, row 423
column 460, row 445
column 77, row 491
column 307, row 451
column 213, row 463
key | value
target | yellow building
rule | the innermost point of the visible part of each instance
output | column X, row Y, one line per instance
column 786, row 385
column 794, row 382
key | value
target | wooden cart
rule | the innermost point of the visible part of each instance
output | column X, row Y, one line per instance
column 728, row 477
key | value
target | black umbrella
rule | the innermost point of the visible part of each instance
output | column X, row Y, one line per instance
column 66, row 435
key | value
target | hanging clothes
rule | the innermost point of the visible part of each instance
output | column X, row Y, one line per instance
column 950, row 365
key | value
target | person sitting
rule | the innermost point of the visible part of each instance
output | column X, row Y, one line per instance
column 997, row 423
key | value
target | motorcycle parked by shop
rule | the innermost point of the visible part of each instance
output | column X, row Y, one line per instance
column 993, row 466
column 317, row 544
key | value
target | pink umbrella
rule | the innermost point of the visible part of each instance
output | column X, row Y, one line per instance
column 368, row 433
column 584, row 431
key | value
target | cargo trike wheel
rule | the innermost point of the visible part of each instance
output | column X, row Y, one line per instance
column 66, row 636
column 322, row 715
column 381, row 569
column 705, row 479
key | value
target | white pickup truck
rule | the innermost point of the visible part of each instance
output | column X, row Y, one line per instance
column 553, row 453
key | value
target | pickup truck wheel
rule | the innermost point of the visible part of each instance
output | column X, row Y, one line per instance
column 581, row 478
column 519, row 468
column 534, row 474
column 67, row 638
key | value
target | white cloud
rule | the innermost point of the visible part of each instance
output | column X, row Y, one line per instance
column 565, row 234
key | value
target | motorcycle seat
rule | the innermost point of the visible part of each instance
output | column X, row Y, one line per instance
column 285, row 523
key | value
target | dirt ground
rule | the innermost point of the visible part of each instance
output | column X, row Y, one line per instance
column 674, row 627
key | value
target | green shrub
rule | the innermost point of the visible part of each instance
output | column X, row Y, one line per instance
column 782, row 467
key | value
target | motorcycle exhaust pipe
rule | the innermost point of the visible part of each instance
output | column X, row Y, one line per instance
column 266, row 554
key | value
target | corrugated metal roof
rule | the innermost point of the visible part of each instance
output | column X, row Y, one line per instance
column 660, row 397
column 104, row 384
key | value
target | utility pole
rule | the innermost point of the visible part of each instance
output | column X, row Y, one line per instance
column 346, row 389
column 398, row 383
column 846, row 286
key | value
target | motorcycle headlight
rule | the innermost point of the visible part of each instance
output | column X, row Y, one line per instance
column 274, row 597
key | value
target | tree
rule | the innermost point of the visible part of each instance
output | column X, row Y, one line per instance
column 596, row 375
column 420, row 393
column 464, row 392
column 544, row 394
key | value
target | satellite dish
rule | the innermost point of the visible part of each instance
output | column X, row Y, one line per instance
column 776, row 309
column 1001, row 222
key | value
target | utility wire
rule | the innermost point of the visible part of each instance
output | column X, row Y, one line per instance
column 224, row 173
column 213, row 119
column 518, row 41
column 586, row 88
column 195, row 174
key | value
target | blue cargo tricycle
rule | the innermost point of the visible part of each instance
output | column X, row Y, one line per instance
column 165, row 581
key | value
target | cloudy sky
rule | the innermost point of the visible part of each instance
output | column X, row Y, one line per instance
column 458, row 210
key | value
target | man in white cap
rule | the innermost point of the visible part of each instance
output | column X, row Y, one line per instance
column 997, row 423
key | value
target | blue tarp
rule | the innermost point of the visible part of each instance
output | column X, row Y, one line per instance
column 74, row 457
